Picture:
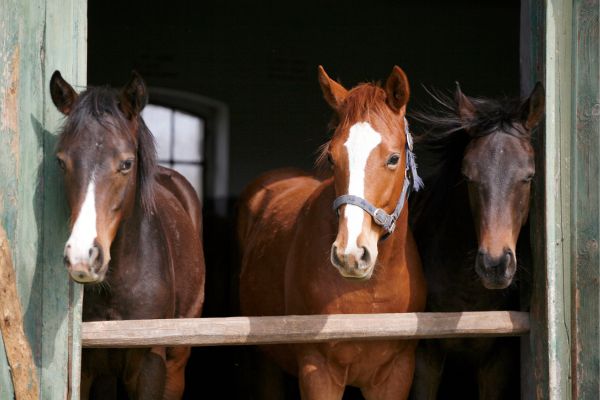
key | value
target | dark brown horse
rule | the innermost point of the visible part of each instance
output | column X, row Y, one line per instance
column 301, row 257
column 135, row 235
column 479, row 159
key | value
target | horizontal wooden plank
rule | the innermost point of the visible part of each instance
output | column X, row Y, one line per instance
column 301, row 329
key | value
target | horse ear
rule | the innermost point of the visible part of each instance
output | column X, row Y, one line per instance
column 533, row 108
column 134, row 96
column 466, row 109
column 397, row 89
column 63, row 95
column 333, row 92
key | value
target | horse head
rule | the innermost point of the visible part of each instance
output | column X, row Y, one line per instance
column 498, row 165
column 368, row 157
column 108, row 158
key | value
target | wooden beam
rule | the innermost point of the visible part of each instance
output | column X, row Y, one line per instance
column 18, row 351
column 301, row 329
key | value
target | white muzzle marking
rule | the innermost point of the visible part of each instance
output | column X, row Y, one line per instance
column 359, row 145
column 80, row 246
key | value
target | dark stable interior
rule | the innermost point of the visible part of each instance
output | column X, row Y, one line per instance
column 260, row 59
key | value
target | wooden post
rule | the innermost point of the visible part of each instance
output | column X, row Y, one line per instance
column 546, row 34
column 534, row 346
column 553, row 347
column 18, row 351
column 585, row 201
column 37, row 37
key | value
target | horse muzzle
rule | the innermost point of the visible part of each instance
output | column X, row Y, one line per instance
column 496, row 272
column 357, row 263
column 85, row 269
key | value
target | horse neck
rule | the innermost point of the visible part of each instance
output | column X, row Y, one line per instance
column 398, row 236
column 442, row 209
column 393, row 250
column 445, row 232
column 130, row 230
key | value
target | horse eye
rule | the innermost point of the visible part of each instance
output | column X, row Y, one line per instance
column 61, row 163
column 528, row 178
column 125, row 166
column 393, row 160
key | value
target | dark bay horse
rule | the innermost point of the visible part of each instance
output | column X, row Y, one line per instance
column 135, row 235
column 478, row 163
column 301, row 257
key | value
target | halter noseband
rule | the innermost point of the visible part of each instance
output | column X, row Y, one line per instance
column 411, row 178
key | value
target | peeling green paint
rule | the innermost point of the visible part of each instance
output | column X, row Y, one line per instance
column 37, row 37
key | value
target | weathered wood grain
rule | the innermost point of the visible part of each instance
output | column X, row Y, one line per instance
column 552, row 275
column 18, row 351
column 65, row 49
column 585, row 210
column 301, row 328
column 37, row 37
column 534, row 353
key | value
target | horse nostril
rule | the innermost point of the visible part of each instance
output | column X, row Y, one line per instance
column 96, row 257
column 66, row 261
column 335, row 259
column 366, row 255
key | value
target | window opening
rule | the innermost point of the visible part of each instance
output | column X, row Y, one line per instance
column 180, row 140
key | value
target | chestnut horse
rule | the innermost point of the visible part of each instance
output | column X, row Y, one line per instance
column 301, row 257
column 135, row 235
column 468, row 226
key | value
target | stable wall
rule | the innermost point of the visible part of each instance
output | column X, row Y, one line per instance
column 260, row 58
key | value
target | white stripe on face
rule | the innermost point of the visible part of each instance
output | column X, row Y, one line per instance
column 84, row 231
column 361, row 141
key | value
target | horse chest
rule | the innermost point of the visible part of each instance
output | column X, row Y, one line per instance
column 362, row 360
column 125, row 298
column 340, row 296
column 457, row 287
column 474, row 348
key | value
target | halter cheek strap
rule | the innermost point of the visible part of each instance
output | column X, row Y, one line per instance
column 411, row 181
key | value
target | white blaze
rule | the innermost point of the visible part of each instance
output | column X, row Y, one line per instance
column 361, row 141
column 84, row 231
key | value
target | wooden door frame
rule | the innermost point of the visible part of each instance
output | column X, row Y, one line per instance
column 562, row 51
column 560, row 47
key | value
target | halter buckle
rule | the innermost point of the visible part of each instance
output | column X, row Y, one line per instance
column 380, row 217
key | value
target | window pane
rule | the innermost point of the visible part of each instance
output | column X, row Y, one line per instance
column 158, row 120
column 193, row 174
column 189, row 135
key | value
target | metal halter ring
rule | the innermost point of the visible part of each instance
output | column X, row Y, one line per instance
column 380, row 216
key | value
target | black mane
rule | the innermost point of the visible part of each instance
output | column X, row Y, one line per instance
column 102, row 104
column 491, row 115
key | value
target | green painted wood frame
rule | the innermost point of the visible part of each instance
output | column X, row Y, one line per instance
column 37, row 37
column 546, row 57
column 585, row 201
column 565, row 315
